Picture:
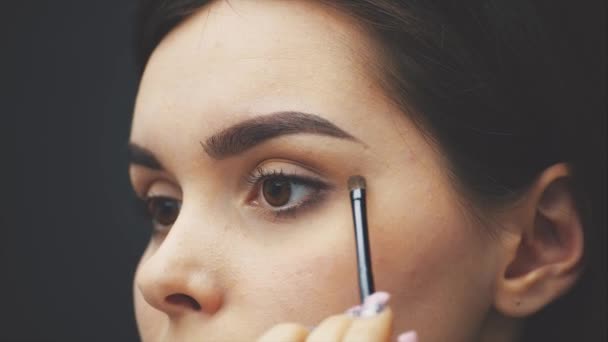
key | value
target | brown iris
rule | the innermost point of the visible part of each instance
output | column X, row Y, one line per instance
column 276, row 191
column 163, row 210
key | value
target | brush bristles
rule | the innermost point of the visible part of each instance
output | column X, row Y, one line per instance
column 356, row 182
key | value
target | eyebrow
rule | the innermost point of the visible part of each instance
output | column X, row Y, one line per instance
column 249, row 133
column 141, row 156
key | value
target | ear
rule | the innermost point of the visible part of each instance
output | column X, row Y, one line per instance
column 543, row 247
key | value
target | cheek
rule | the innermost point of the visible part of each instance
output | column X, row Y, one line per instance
column 434, row 262
column 304, row 278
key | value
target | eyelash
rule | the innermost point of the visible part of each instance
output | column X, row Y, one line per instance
column 142, row 209
column 257, row 177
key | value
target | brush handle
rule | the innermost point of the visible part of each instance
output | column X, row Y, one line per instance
column 364, row 264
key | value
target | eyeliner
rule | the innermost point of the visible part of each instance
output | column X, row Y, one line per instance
column 356, row 186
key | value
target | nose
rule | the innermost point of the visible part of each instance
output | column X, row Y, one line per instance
column 173, row 279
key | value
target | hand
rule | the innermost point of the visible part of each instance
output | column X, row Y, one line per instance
column 370, row 322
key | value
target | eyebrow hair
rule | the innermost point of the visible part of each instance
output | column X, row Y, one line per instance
column 141, row 156
column 249, row 133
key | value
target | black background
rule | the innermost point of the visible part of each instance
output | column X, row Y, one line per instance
column 68, row 241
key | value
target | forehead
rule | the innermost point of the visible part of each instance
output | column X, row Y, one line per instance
column 256, row 34
column 247, row 55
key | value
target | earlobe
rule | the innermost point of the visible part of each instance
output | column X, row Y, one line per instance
column 543, row 255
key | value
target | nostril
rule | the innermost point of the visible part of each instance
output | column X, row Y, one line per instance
column 183, row 300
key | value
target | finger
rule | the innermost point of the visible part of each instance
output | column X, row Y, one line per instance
column 331, row 329
column 375, row 322
column 285, row 332
column 408, row 336
column 376, row 328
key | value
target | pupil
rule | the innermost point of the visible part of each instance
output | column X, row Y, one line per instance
column 164, row 211
column 276, row 191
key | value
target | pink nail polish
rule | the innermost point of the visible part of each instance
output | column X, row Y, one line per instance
column 355, row 311
column 374, row 304
column 379, row 297
column 408, row 336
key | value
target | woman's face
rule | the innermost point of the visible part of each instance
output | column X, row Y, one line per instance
column 257, row 113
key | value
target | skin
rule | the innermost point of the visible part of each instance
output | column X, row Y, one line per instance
column 249, row 269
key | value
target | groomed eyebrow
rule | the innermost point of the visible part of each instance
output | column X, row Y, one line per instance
column 249, row 133
column 143, row 157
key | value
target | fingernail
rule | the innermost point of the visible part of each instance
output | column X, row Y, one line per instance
column 355, row 311
column 408, row 336
column 374, row 304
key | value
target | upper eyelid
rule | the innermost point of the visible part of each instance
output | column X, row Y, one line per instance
column 309, row 180
column 289, row 167
column 140, row 175
column 148, row 187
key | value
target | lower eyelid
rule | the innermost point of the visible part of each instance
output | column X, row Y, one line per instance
column 313, row 200
column 309, row 198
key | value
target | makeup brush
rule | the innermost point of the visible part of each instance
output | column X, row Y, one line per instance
column 356, row 186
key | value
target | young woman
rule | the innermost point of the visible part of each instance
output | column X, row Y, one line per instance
column 252, row 115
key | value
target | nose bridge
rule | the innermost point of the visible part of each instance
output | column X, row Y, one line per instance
column 182, row 274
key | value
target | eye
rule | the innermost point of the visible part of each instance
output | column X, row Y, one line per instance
column 280, row 191
column 163, row 211
column 283, row 194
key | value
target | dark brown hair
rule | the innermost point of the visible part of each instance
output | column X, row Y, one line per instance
column 503, row 94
